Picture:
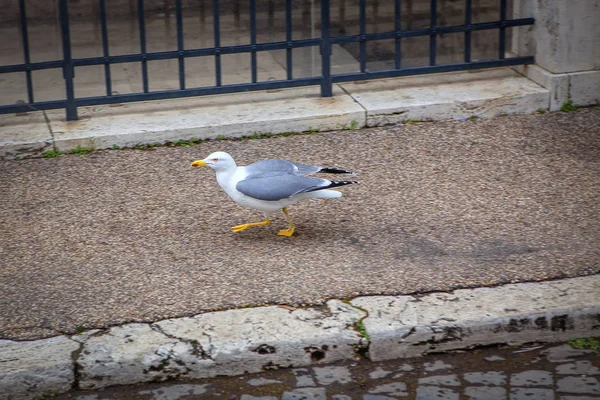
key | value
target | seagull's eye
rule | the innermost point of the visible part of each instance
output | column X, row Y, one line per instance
column 215, row 159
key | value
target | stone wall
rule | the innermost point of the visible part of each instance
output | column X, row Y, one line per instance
column 566, row 43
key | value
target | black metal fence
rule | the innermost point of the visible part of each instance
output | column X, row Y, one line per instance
column 324, row 42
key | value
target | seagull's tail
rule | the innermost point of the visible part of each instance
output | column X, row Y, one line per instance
column 323, row 192
column 320, row 194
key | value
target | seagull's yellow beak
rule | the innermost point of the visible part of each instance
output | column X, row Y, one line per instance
column 199, row 163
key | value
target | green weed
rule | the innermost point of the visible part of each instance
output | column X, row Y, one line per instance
column 51, row 154
column 360, row 327
column 351, row 126
column 80, row 150
column 568, row 106
column 585, row 344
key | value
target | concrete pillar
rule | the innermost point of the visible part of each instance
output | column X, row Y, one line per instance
column 565, row 41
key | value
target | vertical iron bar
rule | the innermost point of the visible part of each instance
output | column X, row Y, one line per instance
column 68, row 69
column 288, row 37
column 397, row 28
column 142, row 23
column 26, row 57
column 253, row 39
column 180, row 45
column 217, row 42
column 468, row 21
column 432, row 37
column 327, row 84
column 105, row 51
column 363, row 32
column 502, row 41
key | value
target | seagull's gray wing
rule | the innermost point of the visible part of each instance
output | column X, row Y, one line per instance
column 277, row 165
column 271, row 166
column 273, row 186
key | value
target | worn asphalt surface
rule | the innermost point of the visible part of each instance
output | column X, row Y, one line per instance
column 117, row 236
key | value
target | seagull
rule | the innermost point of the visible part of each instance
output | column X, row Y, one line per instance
column 271, row 185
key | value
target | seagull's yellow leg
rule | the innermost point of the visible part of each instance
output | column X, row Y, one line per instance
column 290, row 231
column 243, row 227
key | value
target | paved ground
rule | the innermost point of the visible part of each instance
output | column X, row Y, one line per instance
column 115, row 236
column 532, row 372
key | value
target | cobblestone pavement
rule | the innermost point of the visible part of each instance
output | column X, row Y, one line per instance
column 533, row 372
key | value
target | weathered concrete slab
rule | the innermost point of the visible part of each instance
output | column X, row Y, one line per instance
column 209, row 117
column 408, row 326
column 458, row 95
column 24, row 135
column 40, row 367
column 224, row 343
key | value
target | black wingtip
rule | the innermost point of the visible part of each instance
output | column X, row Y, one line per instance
column 335, row 171
column 340, row 183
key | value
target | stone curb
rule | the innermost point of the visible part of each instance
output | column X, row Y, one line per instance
column 249, row 340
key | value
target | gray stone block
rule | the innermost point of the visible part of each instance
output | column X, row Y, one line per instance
column 531, row 378
column 492, row 378
column 485, row 393
column 531, row 393
column 403, row 326
column 577, row 384
column 303, row 378
column 262, row 382
column 440, row 380
column 340, row 397
column 582, row 367
column 564, row 353
column 305, row 394
column 437, row 365
column 329, row 375
column 174, row 392
column 36, row 368
column 379, row 373
column 377, row 397
column 435, row 393
column 224, row 343
column 393, row 389
column 249, row 397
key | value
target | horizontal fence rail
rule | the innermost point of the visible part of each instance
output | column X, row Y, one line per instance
column 324, row 40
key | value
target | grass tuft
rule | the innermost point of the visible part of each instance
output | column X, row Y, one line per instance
column 80, row 150
column 585, row 344
column 51, row 154
column 360, row 328
column 351, row 126
column 568, row 106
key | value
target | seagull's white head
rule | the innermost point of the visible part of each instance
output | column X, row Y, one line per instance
column 219, row 161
